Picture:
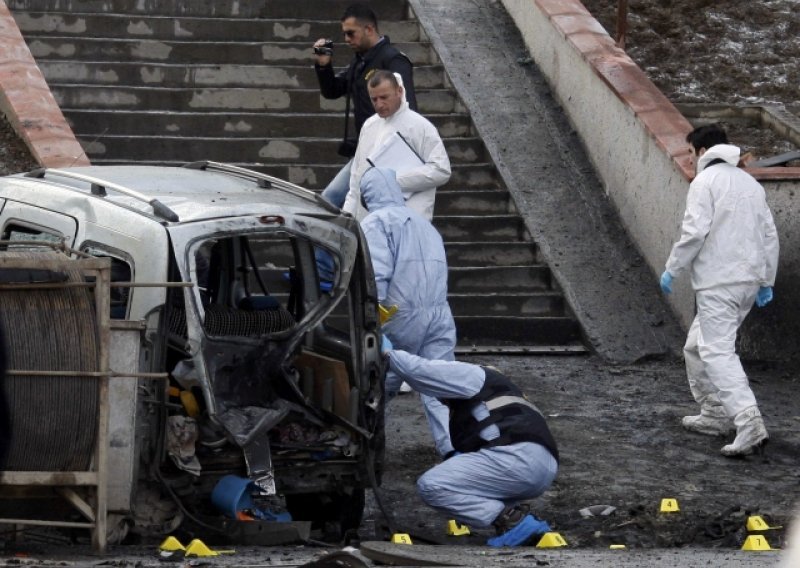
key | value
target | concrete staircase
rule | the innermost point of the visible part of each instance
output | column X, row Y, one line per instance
column 168, row 82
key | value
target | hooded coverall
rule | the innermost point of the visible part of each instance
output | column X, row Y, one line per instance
column 475, row 486
column 730, row 244
column 410, row 267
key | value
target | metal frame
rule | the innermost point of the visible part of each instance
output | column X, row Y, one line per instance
column 100, row 188
column 96, row 478
column 264, row 181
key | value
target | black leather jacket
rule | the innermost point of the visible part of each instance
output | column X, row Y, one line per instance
column 354, row 79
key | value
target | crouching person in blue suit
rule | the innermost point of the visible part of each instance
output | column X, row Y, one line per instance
column 504, row 451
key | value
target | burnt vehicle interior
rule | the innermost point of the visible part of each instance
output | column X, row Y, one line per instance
column 292, row 407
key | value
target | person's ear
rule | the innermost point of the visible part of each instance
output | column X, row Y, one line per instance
column 700, row 152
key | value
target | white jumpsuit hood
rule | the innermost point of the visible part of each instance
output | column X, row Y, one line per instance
column 410, row 266
column 726, row 152
column 379, row 189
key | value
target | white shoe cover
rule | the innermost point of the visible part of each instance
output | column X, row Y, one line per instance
column 708, row 425
column 751, row 434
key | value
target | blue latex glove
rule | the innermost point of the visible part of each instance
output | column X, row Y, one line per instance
column 666, row 282
column 764, row 296
column 386, row 345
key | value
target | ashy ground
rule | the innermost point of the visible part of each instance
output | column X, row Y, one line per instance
column 736, row 52
column 621, row 444
column 14, row 155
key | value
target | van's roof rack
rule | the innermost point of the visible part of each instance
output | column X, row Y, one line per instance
column 101, row 187
column 264, row 181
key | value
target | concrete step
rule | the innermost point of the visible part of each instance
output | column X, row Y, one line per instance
column 482, row 228
column 538, row 304
column 139, row 74
column 547, row 303
column 429, row 101
column 146, row 26
column 516, row 330
column 496, row 279
column 488, row 202
column 265, row 150
column 174, row 51
column 317, row 176
column 289, row 9
column 502, row 253
column 89, row 123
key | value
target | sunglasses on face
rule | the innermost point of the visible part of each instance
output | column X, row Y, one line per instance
column 351, row 33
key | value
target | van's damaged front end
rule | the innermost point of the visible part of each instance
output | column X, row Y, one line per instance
column 277, row 373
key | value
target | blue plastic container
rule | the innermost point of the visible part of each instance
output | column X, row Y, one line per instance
column 232, row 494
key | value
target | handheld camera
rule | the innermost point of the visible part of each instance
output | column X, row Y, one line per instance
column 324, row 49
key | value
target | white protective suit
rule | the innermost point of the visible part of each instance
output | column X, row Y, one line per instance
column 474, row 487
column 730, row 244
column 418, row 184
column 410, row 267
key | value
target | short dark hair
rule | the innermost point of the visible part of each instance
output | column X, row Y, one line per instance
column 707, row 136
column 362, row 13
column 380, row 76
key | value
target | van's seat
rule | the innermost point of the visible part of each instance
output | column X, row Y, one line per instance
column 223, row 320
column 258, row 315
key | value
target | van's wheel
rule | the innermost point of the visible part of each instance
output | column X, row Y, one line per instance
column 334, row 513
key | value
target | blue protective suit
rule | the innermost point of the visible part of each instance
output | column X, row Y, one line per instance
column 474, row 487
column 410, row 267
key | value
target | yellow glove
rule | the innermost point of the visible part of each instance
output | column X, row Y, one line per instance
column 385, row 313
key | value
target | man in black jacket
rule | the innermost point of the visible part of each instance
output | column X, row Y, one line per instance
column 372, row 52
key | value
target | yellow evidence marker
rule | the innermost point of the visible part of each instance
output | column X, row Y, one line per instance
column 669, row 506
column 401, row 538
column 551, row 540
column 198, row 548
column 171, row 544
column 454, row 529
column 757, row 523
column 756, row 542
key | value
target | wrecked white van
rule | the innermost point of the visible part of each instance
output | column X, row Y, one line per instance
column 270, row 373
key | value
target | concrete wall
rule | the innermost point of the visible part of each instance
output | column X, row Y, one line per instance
column 636, row 139
column 28, row 104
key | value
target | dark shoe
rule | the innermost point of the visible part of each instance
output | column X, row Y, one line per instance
column 516, row 526
column 511, row 517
